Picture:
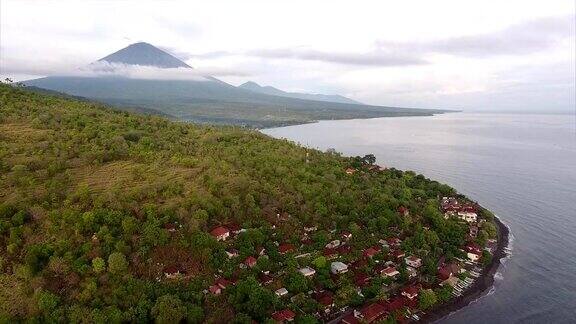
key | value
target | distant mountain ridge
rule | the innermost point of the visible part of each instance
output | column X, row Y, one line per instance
column 269, row 90
column 146, row 55
column 207, row 99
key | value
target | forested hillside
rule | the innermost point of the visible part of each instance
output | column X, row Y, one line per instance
column 106, row 216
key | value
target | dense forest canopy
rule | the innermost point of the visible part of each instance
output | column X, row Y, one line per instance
column 95, row 204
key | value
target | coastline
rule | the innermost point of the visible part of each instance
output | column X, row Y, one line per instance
column 480, row 286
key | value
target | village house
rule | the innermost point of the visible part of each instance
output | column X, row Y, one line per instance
column 390, row 272
column 346, row 235
column 361, row 279
column 306, row 241
column 368, row 314
column 235, row 228
column 281, row 292
column 220, row 233
column 403, row 211
column 173, row 272
column 338, row 267
column 449, row 203
column 473, row 232
column 307, row 271
column 473, row 251
column 265, row 279
column 308, row 229
column 451, row 281
column 350, row 171
column 371, row 252
column 283, row 316
column 344, row 249
column 222, row 283
column 326, row 299
column 330, row 253
column 411, row 272
column 398, row 254
column 334, row 244
column 285, row 248
column 393, row 241
column 215, row 290
column 413, row 261
column 410, row 292
column 446, row 271
column 384, row 243
column 467, row 216
column 250, row 261
column 232, row 253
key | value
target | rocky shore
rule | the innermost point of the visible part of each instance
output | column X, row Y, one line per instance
column 480, row 286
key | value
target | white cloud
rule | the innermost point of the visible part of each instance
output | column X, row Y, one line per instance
column 373, row 51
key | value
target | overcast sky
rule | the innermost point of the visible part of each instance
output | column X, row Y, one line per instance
column 473, row 55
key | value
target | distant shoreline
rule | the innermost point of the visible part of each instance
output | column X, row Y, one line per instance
column 480, row 285
column 297, row 123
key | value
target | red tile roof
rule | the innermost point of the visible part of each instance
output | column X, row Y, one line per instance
column 285, row 248
column 389, row 270
column 350, row 319
column 473, row 248
column 172, row 270
column 250, row 261
column 370, row 252
column 330, row 252
column 283, row 315
column 215, row 289
column 361, row 279
column 324, row 298
column 373, row 312
column 344, row 249
column 265, row 279
column 222, row 283
column 219, row 231
column 445, row 271
column 395, row 303
column 411, row 290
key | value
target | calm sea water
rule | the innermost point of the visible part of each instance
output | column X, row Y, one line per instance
column 522, row 167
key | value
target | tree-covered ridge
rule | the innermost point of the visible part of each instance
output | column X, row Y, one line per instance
column 96, row 205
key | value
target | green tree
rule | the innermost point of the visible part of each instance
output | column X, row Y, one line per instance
column 194, row 314
column 250, row 298
column 47, row 301
column 295, row 282
column 319, row 262
column 427, row 299
column 117, row 263
column 168, row 309
column 98, row 264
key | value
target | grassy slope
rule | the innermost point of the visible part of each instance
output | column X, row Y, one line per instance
column 79, row 170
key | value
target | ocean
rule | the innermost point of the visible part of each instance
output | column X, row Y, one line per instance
column 522, row 167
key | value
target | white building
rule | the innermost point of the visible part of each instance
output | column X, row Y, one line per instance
column 333, row 244
column 391, row 272
column 281, row 292
column 468, row 216
column 307, row 271
column 413, row 261
column 338, row 267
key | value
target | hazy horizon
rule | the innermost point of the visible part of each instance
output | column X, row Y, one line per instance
column 487, row 56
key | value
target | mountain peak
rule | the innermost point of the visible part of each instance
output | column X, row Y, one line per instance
column 143, row 53
column 249, row 84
